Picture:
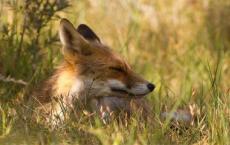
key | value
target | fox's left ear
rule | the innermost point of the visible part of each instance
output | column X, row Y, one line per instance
column 72, row 41
column 88, row 33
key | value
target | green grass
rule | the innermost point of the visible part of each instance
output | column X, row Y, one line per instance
column 182, row 46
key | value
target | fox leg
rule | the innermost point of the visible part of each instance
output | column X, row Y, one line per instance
column 101, row 109
column 111, row 107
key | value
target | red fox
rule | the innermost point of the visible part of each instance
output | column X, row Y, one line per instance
column 90, row 72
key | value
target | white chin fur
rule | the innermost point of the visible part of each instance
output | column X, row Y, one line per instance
column 116, row 84
column 137, row 89
column 101, row 88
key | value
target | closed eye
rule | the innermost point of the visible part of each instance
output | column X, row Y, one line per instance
column 117, row 69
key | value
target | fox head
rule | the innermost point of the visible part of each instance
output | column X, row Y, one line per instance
column 97, row 69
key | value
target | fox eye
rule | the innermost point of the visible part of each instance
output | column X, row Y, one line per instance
column 117, row 69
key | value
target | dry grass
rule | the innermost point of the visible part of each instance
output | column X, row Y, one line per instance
column 182, row 45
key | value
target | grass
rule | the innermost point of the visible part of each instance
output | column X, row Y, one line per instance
column 182, row 46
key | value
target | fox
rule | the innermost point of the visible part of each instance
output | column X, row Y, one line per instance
column 92, row 73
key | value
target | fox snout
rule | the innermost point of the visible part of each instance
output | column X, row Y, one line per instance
column 135, row 90
column 151, row 87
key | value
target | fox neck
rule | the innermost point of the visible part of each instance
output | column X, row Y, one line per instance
column 68, row 84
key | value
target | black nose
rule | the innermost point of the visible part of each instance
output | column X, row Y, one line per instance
column 151, row 87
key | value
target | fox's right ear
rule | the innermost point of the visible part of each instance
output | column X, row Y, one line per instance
column 71, row 40
column 88, row 33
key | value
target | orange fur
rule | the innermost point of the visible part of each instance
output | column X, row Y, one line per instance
column 91, row 71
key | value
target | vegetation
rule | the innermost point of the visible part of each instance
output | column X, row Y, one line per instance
column 183, row 46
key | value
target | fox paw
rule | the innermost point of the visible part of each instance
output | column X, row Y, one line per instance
column 105, row 117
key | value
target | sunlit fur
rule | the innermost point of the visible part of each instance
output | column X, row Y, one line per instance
column 90, row 72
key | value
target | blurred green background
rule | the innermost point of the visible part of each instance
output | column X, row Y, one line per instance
column 183, row 46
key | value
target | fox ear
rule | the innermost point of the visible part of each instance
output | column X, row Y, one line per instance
column 67, row 32
column 88, row 33
column 71, row 40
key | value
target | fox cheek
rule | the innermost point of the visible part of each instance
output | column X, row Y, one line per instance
column 113, row 83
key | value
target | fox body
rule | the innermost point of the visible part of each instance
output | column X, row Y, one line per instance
column 91, row 73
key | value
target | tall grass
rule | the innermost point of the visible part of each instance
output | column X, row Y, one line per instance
column 182, row 46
